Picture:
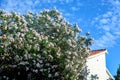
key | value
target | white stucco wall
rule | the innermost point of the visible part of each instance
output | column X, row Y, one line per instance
column 97, row 65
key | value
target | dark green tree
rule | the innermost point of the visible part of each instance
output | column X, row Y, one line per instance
column 117, row 77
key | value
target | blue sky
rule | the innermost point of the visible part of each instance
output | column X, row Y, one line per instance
column 99, row 17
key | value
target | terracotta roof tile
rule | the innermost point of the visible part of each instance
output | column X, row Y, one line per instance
column 94, row 52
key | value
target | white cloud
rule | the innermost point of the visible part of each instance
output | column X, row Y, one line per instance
column 107, row 40
column 115, row 2
column 109, row 23
column 68, row 1
column 108, row 14
column 104, row 21
column 74, row 8
column 19, row 6
column 25, row 5
column 67, row 14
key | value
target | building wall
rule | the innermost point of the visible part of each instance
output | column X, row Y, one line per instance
column 96, row 64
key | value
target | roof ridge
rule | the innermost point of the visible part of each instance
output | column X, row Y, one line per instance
column 99, row 50
column 94, row 52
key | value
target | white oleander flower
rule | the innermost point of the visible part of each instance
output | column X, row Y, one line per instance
column 41, row 70
column 69, row 41
column 38, row 65
column 49, row 75
column 23, row 63
column 56, row 73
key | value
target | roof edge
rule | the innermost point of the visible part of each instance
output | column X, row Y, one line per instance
column 97, row 52
column 109, row 73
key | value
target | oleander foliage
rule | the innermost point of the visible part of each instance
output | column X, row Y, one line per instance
column 41, row 46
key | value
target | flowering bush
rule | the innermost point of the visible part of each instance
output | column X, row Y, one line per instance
column 42, row 46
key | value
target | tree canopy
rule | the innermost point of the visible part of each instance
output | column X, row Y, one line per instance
column 117, row 77
column 41, row 46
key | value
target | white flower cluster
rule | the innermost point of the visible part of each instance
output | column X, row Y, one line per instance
column 45, row 42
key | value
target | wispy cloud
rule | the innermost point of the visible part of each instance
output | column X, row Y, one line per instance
column 107, row 40
column 109, row 23
column 74, row 8
column 68, row 1
column 25, row 5
column 19, row 6
column 38, row 5
column 33, row 5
